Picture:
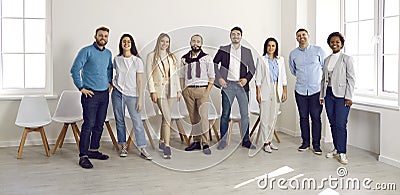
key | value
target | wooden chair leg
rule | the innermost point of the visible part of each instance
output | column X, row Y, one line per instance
column 44, row 140
column 276, row 136
column 146, row 128
column 230, row 131
column 130, row 139
column 254, row 126
column 60, row 137
column 76, row 133
column 63, row 133
column 22, row 143
column 215, row 131
column 110, row 132
column 209, row 134
column 182, row 132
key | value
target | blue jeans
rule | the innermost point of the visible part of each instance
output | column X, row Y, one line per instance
column 229, row 93
column 309, row 106
column 337, row 115
column 94, row 115
column 119, row 101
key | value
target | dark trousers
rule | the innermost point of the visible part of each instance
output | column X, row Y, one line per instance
column 309, row 106
column 94, row 115
column 337, row 115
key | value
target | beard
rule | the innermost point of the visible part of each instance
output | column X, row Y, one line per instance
column 196, row 49
column 101, row 42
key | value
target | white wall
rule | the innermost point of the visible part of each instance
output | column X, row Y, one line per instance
column 74, row 22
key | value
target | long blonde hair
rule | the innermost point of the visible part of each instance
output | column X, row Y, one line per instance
column 157, row 49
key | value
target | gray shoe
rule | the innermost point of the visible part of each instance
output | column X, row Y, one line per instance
column 167, row 152
column 144, row 154
column 161, row 145
column 124, row 151
column 221, row 145
column 206, row 149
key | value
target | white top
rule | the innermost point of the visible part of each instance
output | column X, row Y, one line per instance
column 234, row 64
column 206, row 71
column 333, row 60
column 125, row 74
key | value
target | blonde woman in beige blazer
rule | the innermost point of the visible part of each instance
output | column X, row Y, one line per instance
column 163, row 84
column 337, row 89
column 271, row 90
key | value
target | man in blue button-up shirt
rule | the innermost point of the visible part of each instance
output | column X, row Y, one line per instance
column 306, row 63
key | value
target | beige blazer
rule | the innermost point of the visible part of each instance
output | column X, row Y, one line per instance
column 343, row 77
column 263, row 77
column 157, row 78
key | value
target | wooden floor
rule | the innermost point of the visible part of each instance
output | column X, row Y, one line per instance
column 185, row 173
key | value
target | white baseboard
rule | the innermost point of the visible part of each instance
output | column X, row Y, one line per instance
column 389, row 161
column 288, row 131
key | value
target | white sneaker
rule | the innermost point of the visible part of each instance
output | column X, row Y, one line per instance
column 343, row 158
column 331, row 154
column 267, row 149
column 273, row 146
column 144, row 154
column 124, row 151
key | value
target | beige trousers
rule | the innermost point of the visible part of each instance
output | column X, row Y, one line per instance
column 196, row 99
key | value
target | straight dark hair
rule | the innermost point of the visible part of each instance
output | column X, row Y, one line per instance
column 238, row 29
column 301, row 29
column 133, row 45
column 266, row 44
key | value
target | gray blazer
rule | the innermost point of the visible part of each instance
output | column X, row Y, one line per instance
column 343, row 77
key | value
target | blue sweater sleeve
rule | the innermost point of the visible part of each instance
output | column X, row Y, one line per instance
column 77, row 66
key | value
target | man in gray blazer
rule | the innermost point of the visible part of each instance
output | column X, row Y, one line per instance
column 233, row 76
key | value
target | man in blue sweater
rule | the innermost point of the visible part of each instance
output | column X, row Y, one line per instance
column 92, row 75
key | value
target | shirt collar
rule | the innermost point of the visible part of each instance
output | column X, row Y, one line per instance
column 308, row 47
column 232, row 48
column 97, row 47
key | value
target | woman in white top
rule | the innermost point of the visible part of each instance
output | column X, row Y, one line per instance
column 127, row 92
column 164, row 86
column 271, row 90
column 337, row 89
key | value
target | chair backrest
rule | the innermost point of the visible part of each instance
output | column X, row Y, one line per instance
column 69, row 109
column 110, row 111
column 179, row 109
column 235, row 110
column 33, row 112
column 254, row 106
column 212, row 110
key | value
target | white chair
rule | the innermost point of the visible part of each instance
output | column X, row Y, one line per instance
column 234, row 118
column 110, row 116
column 255, row 109
column 68, row 111
column 33, row 115
column 146, row 113
column 178, row 112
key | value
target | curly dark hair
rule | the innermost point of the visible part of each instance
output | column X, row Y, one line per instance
column 336, row 34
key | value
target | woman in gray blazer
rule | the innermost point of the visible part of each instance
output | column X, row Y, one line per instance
column 337, row 88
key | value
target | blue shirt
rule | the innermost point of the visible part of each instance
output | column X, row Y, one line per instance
column 306, row 65
column 92, row 68
column 273, row 69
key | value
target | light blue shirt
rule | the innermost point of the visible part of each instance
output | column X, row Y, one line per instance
column 273, row 69
column 306, row 65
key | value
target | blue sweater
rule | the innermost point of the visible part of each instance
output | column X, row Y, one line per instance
column 92, row 68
